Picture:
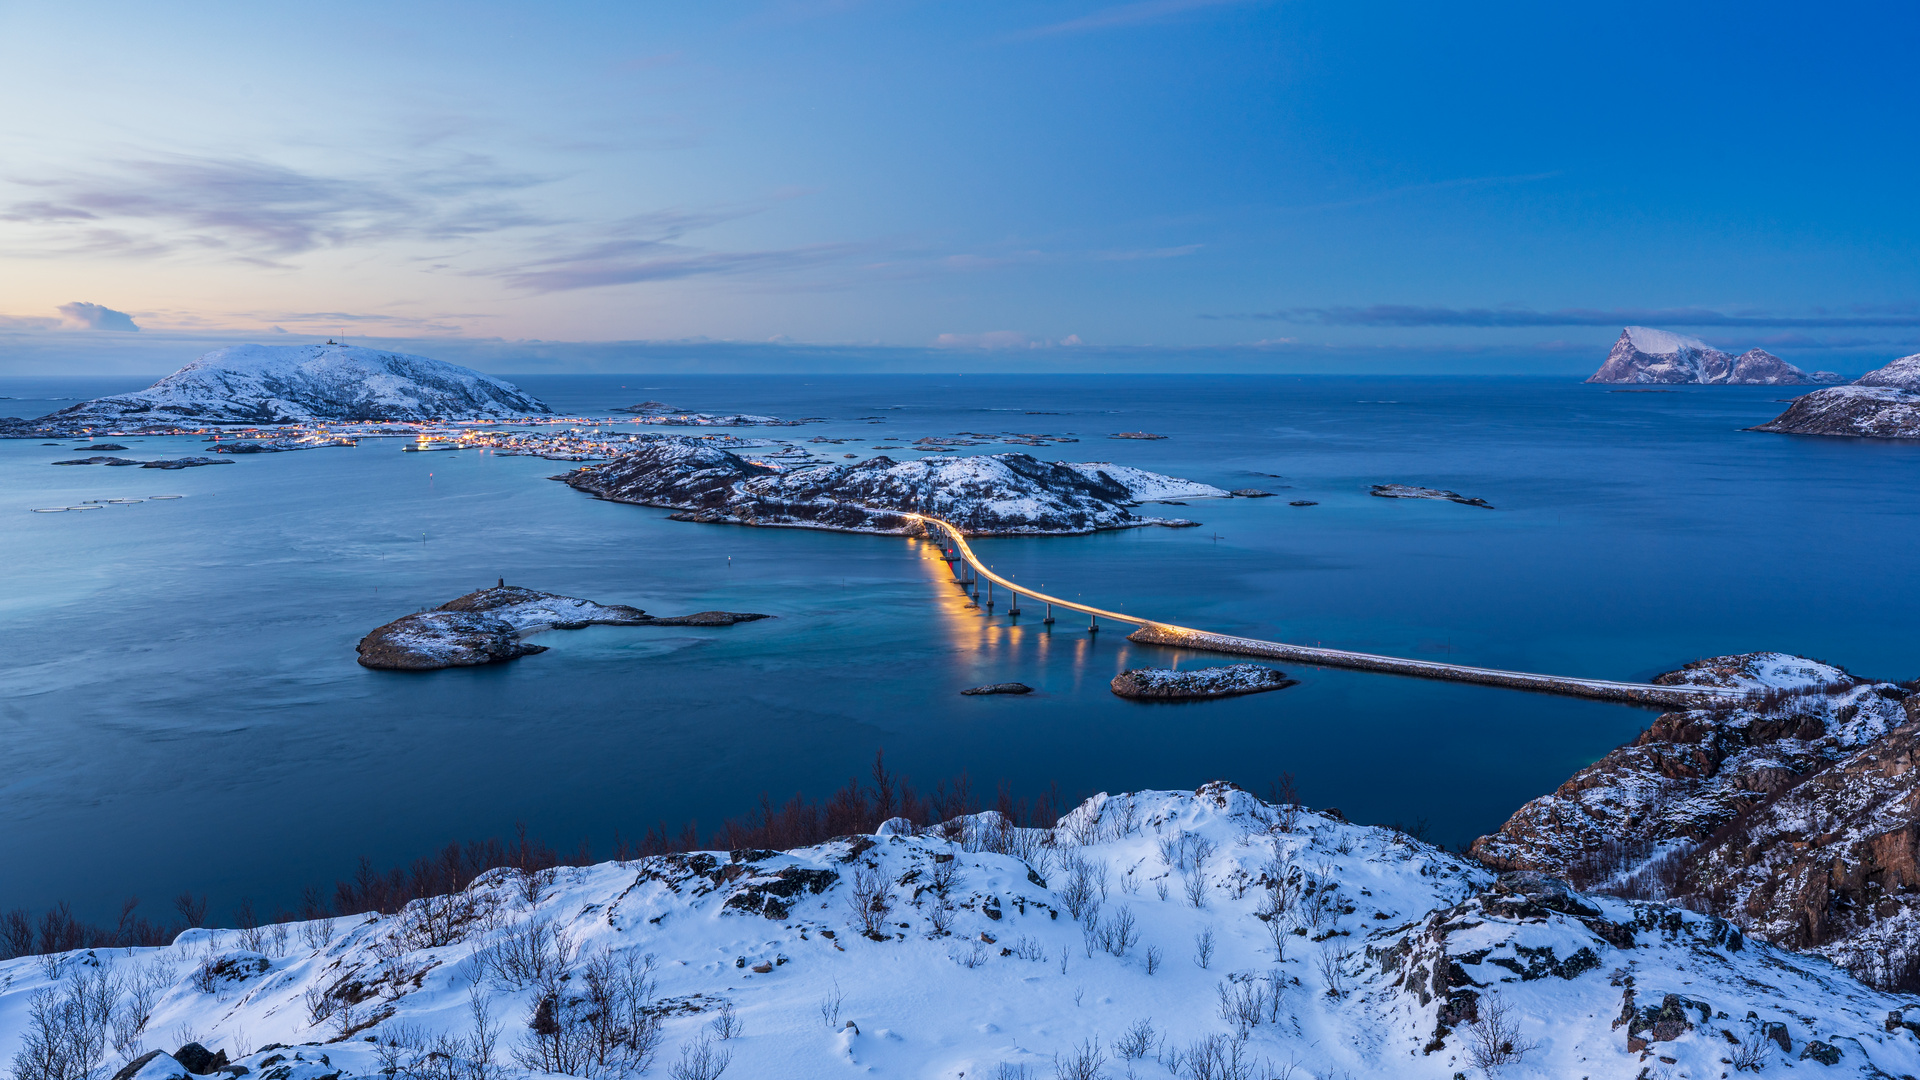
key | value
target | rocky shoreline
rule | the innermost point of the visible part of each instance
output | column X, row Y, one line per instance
column 488, row 626
column 1199, row 684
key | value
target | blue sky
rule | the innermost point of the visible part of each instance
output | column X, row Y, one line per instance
column 1296, row 185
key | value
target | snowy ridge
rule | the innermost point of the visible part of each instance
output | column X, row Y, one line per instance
column 1007, row 494
column 1645, row 355
column 1881, row 412
column 1903, row 373
column 277, row 384
column 1165, row 933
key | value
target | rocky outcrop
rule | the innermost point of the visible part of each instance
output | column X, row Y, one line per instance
column 488, row 626
column 1878, row 411
column 998, row 688
column 1796, row 814
column 165, row 463
column 1231, row 680
column 1407, row 491
column 278, row 384
column 1000, row 494
column 1645, row 355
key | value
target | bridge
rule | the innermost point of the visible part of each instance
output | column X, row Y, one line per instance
column 1155, row 632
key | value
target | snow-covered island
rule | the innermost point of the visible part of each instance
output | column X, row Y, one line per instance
column 1195, row 684
column 282, row 384
column 1646, row 355
column 996, row 494
column 1161, row 935
column 489, row 626
column 1882, row 404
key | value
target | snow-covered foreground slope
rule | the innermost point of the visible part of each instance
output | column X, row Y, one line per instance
column 278, row 384
column 1198, row 935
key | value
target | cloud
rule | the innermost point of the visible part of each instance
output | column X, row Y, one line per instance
column 1135, row 14
column 1402, row 315
column 259, row 211
column 87, row 316
column 1002, row 339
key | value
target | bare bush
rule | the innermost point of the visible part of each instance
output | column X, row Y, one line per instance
column 1243, row 1005
column 870, row 898
column 1006, row 1070
column 1493, row 1036
column 1203, row 949
column 601, row 1025
column 535, row 951
column 1138, row 1041
column 726, row 1023
column 1026, row 948
column 1084, row 1062
column 700, row 1060
column 1216, row 1057
column 68, row 1029
column 830, row 1007
column 1153, row 959
column 1333, row 968
column 1751, row 1053
column 1077, row 896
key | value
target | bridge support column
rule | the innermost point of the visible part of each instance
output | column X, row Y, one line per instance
column 1048, row 621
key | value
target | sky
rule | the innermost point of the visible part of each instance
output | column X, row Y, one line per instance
column 1050, row 185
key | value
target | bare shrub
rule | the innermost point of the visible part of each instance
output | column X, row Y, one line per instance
column 940, row 916
column 700, row 1060
column 726, row 1023
column 1203, row 949
column 1493, row 1036
column 1026, row 948
column 1216, row 1057
column 1195, row 884
column 1077, row 896
column 1138, row 1041
column 1751, row 1053
column 1120, row 933
column 68, row 1029
column 1243, row 1005
column 1153, row 959
column 1084, row 1062
column 1008, row 1071
column 973, row 955
column 870, row 898
column 830, row 1007
column 535, row 951
column 600, row 1025
column 1333, row 968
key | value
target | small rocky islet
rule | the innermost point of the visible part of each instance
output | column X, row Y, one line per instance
column 488, row 626
column 1199, row 684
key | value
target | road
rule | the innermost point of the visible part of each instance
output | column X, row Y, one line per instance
column 1156, row 632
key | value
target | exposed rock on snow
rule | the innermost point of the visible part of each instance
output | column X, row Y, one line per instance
column 1795, row 815
column 999, row 688
column 1335, row 950
column 996, row 494
column 1405, row 491
column 1881, row 412
column 487, row 626
column 1165, row 684
column 277, row 384
column 1645, row 355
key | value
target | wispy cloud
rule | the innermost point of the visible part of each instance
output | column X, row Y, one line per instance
column 88, row 316
column 1402, row 315
column 1003, row 339
column 260, row 211
column 1135, row 14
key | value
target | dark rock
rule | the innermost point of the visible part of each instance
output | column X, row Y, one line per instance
column 1252, row 493
column 100, row 446
column 184, row 463
column 1303, row 502
column 132, row 1068
column 1163, row 684
column 999, row 688
column 1407, row 491
column 709, row 618
column 198, row 1059
column 99, row 460
column 1824, row 1053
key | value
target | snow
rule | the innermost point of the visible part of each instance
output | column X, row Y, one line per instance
column 1903, row 373
column 1759, row 671
column 1663, row 342
column 1380, row 933
column 273, row 384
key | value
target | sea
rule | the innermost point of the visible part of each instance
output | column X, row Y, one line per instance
column 181, row 710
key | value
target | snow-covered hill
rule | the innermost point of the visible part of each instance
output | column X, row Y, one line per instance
column 1880, row 412
column 274, row 384
column 1903, row 373
column 1646, row 355
column 987, row 494
column 1201, row 935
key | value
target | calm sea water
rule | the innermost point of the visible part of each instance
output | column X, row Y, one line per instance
column 180, row 707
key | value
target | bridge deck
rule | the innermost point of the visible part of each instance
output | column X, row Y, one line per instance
column 1155, row 632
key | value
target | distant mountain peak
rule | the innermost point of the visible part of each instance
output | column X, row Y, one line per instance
column 274, row 384
column 1643, row 354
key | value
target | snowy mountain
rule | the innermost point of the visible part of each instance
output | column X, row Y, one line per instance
column 1645, row 355
column 1903, row 374
column 1199, row 935
column 271, row 384
column 1796, row 816
column 989, row 494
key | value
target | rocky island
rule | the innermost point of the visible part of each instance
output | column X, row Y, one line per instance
column 280, row 384
column 1882, row 404
column 1794, row 814
column 1195, row 684
column 488, row 626
column 998, row 494
column 1645, row 355
column 1408, row 491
